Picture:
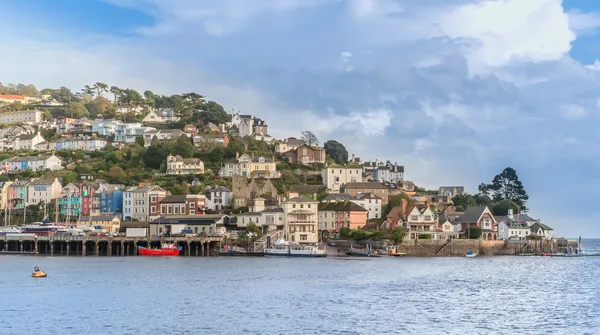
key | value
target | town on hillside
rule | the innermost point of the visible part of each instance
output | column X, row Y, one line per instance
column 106, row 156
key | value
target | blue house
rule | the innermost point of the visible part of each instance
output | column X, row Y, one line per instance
column 110, row 201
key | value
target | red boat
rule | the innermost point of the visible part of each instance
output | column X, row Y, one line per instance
column 166, row 250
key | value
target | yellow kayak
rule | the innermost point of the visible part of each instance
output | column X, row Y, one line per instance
column 39, row 274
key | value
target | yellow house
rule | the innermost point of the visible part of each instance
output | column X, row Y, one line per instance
column 252, row 167
column 301, row 220
column 4, row 194
column 109, row 223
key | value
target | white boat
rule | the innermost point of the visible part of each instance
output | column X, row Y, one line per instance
column 11, row 230
column 282, row 248
column 470, row 254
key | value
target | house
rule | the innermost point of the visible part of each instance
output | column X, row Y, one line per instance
column 191, row 204
column 87, row 193
column 190, row 129
column 376, row 189
column 142, row 202
column 266, row 219
column 510, row 230
column 110, row 200
column 290, row 143
column 346, row 214
column 27, row 141
column 43, row 190
column 14, row 131
column 397, row 216
column 177, row 165
column 161, row 135
column 247, row 125
column 109, row 223
column 371, row 203
column 85, row 143
column 540, row 229
column 18, row 194
column 161, row 116
column 451, row 191
column 421, row 221
column 209, row 223
column 64, row 125
column 301, row 220
column 219, row 198
column 4, row 194
column 209, row 141
column 388, row 172
column 126, row 132
column 335, row 176
column 45, row 146
column 27, row 116
column 35, row 163
column 12, row 98
column 480, row 216
column 306, row 155
column 210, row 127
column 250, row 166
column 70, row 200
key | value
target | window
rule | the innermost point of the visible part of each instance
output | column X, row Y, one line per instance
column 303, row 237
column 163, row 209
column 414, row 218
column 301, row 206
column 153, row 198
column 427, row 218
column 191, row 205
column 176, row 209
column 169, row 210
column 153, row 209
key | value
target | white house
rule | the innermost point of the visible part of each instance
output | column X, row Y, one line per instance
column 421, row 220
column 391, row 173
column 32, row 162
column 219, row 198
column 127, row 132
column 542, row 230
column 27, row 142
column 513, row 230
column 335, row 176
column 29, row 116
column 162, row 134
column 41, row 190
column 161, row 116
column 141, row 203
column 371, row 203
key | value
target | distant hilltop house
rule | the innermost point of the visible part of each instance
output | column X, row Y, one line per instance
column 306, row 155
column 161, row 116
column 290, row 143
column 335, row 176
column 12, row 98
column 162, row 134
column 247, row 125
column 176, row 165
column 384, row 171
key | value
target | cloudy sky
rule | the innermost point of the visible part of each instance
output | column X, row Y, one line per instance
column 455, row 90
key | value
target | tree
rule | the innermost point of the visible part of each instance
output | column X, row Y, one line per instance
column 211, row 112
column 155, row 156
column 473, row 233
column 183, row 147
column 501, row 207
column 462, row 201
column 116, row 92
column 397, row 235
column 196, row 189
column 76, row 110
column 100, row 88
column 336, row 151
column 117, row 175
column 507, row 185
column 253, row 228
column 345, row 232
column 98, row 106
column 310, row 138
column 139, row 140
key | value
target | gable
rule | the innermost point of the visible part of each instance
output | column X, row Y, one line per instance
column 428, row 211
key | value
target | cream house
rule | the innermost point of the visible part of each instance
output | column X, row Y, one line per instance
column 335, row 176
column 419, row 221
column 27, row 141
column 301, row 220
column 250, row 166
column 176, row 165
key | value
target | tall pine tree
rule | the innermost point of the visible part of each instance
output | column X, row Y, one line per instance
column 507, row 185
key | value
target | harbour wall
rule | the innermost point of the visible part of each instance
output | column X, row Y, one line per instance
column 429, row 248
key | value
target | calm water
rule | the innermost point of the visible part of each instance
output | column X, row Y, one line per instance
column 495, row 295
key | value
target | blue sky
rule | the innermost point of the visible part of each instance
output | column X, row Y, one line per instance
column 455, row 90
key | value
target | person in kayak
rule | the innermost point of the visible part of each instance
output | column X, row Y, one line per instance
column 36, row 269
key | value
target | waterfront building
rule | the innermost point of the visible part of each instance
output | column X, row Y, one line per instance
column 70, row 200
column 482, row 217
column 334, row 216
column 420, row 221
column 219, row 198
column 109, row 223
column 4, row 194
column 209, row 223
column 142, row 202
column 110, row 200
column 191, row 204
column 43, row 190
column 371, row 203
column 18, row 193
column 301, row 220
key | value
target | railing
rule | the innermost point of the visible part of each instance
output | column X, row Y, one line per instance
column 106, row 238
column 261, row 244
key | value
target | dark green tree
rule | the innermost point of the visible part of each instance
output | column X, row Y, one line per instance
column 211, row 112
column 501, row 207
column 183, row 147
column 462, row 201
column 507, row 185
column 336, row 151
column 155, row 156
column 397, row 235
column 473, row 233
column 140, row 140
column 76, row 110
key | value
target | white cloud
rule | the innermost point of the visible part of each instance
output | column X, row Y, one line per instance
column 573, row 112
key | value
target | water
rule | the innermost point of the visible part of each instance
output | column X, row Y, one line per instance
column 189, row 295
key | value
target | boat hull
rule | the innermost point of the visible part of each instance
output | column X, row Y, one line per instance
column 158, row 252
column 294, row 255
column 39, row 274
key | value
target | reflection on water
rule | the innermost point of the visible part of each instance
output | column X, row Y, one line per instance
column 494, row 295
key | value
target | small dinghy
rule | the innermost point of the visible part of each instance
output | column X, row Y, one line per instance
column 37, row 273
column 470, row 254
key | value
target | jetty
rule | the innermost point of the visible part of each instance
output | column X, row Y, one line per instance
column 104, row 245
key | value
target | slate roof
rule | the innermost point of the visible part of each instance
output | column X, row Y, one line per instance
column 472, row 214
column 362, row 196
column 337, row 197
column 170, row 199
column 98, row 218
column 346, row 206
column 365, row 185
column 300, row 199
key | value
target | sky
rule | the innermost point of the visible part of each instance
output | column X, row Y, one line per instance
column 454, row 90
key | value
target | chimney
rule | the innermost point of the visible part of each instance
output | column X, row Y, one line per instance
column 404, row 205
column 252, row 155
column 237, row 155
column 510, row 214
column 427, row 203
column 522, row 212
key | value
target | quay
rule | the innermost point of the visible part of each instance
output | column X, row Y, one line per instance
column 104, row 245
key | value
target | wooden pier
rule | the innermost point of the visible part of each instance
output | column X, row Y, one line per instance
column 104, row 245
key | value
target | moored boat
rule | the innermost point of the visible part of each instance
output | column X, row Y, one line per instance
column 470, row 254
column 165, row 250
column 284, row 248
column 40, row 228
column 367, row 252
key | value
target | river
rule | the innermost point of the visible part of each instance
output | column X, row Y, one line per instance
column 194, row 295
